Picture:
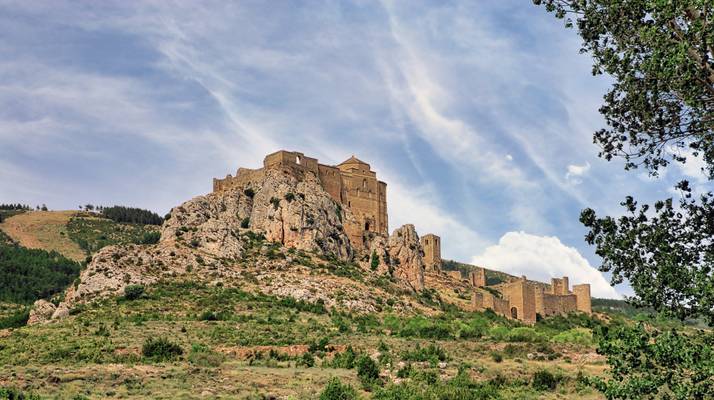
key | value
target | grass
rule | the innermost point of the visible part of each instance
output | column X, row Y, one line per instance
column 258, row 345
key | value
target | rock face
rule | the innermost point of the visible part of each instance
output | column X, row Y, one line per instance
column 294, row 212
column 406, row 255
column 41, row 312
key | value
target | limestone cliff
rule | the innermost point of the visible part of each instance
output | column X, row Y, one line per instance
column 406, row 255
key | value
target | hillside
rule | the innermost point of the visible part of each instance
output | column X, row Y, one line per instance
column 45, row 230
column 257, row 292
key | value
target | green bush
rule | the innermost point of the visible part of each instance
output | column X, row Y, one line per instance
column 544, row 380
column 289, row 197
column 245, row 223
column 431, row 353
column 374, row 263
column 307, row 360
column 498, row 333
column 16, row 319
column 497, row 357
column 203, row 356
column 161, row 349
column 151, row 237
column 425, row 328
column 15, row 394
column 346, row 359
column 133, row 292
column 367, row 371
column 580, row 336
column 249, row 192
column 336, row 390
column 524, row 334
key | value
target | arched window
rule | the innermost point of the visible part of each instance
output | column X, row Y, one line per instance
column 366, row 226
column 364, row 183
column 297, row 160
column 514, row 313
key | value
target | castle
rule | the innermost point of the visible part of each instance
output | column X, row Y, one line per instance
column 352, row 184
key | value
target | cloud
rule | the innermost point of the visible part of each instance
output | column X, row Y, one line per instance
column 541, row 258
column 576, row 172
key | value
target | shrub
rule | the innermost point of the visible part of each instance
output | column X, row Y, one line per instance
column 249, row 192
column 498, row 333
column 289, row 197
column 133, row 292
column 195, row 242
column 346, row 359
column 497, row 357
column 431, row 353
column 15, row 320
column 203, row 356
column 161, row 349
column 544, row 380
column 151, row 237
column 335, row 390
column 307, row 360
column 374, row 264
column 581, row 336
column 424, row 328
column 367, row 370
column 524, row 334
column 245, row 223
column 275, row 202
column 15, row 394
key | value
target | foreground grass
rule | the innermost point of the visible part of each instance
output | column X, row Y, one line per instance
column 237, row 344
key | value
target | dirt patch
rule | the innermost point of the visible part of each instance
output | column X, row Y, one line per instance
column 45, row 230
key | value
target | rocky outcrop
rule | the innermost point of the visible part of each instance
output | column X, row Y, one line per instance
column 293, row 211
column 41, row 312
column 406, row 255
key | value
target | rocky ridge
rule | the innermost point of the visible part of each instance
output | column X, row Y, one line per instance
column 274, row 233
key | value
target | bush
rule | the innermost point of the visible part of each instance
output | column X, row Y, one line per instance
column 524, row 334
column 307, row 360
column 15, row 320
column 161, row 349
column 345, row 360
column 374, row 264
column 15, row 394
column 367, row 370
column 150, row 237
column 497, row 357
column 544, row 380
column 431, row 353
column 205, row 357
column 133, row 292
column 335, row 390
column 581, row 336
column 249, row 192
column 498, row 333
column 289, row 197
column 425, row 328
column 245, row 223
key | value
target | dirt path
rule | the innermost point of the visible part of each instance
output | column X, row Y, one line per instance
column 43, row 230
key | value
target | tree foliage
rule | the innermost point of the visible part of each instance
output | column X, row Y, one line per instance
column 660, row 54
column 651, row 364
column 30, row 274
column 132, row 215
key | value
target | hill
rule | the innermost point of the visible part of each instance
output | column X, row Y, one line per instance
column 258, row 292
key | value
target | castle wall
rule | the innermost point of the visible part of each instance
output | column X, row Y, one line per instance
column 583, row 299
column 560, row 286
column 521, row 298
column 331, row 181
column 454, row 274
column 477, row 278
column 432, row 251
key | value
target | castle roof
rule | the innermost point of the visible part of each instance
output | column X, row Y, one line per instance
column 353, row 160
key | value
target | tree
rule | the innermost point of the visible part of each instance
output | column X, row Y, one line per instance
column 660, row 109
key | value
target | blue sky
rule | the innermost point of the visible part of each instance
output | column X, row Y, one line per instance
column 478, row 115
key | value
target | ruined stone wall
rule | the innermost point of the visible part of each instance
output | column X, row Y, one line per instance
column 478, row 277
column 432, row 251
column 583, row 299
column 454, row 274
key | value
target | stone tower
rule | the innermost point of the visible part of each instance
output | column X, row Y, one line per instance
column 582, row 295
column 432, row 251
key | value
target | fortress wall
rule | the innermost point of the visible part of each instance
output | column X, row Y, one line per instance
column 568, row 303
column 383, row 220
column 478, row 277
column 539, row 306
column 477, row 301
column 583, row 299
column 501, row 306
column 521, row 296
column 560, row 286
column 454, row 274
column 331, row 180
column 551, row 305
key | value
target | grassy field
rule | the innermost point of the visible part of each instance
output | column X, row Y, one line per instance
column 91, row 233
column 241, row 345
column 45, row 230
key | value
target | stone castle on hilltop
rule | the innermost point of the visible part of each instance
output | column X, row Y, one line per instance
column 353, row 185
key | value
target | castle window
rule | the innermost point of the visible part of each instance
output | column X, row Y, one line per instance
column 514, row 313
column 364, row 183
column 297, row 160
column 366, row 226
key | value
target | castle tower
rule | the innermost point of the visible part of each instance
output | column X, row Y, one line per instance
column 365, row 195
column 560, row 286
column 478, row 277
column 432, row 251
column 583, row 300
column 521, row 297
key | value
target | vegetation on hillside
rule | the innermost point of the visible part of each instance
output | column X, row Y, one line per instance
column 91, row 234
column 131, row 215
column 492, row 277
column 30, row 274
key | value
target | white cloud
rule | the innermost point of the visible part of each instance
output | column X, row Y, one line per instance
column 509, row 157
column 541, row 258
column 576, row 172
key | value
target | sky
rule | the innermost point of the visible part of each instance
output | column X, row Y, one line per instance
column 478, row 115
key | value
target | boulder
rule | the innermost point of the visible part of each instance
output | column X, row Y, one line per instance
column 407, row 256
column 41, row 312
